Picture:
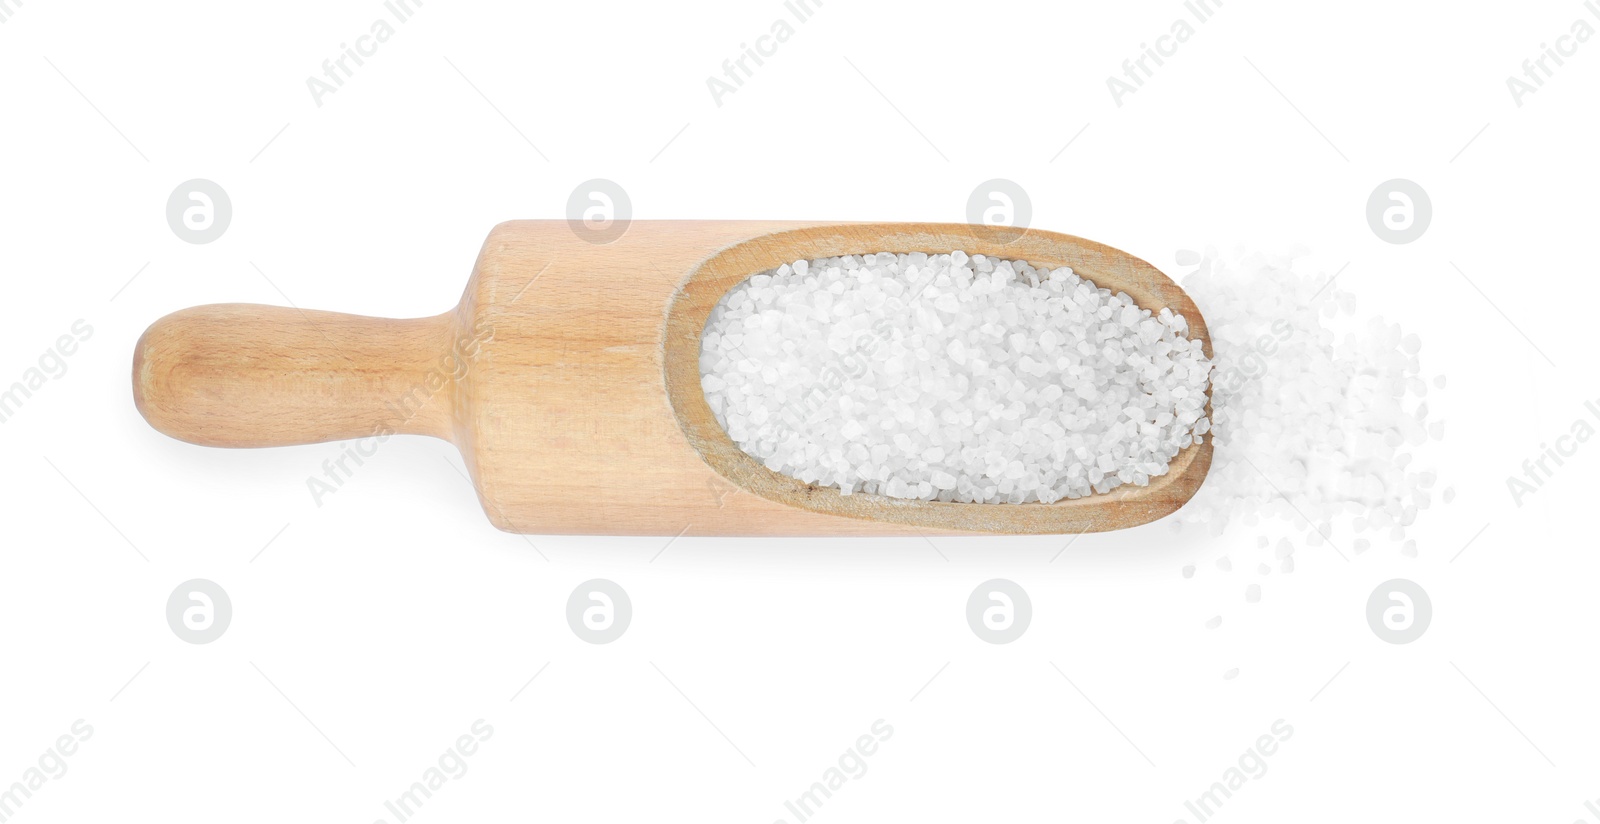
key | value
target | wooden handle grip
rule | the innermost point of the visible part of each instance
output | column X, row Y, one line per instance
column 247, row 375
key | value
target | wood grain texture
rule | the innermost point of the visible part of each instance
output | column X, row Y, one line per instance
column 569, row 378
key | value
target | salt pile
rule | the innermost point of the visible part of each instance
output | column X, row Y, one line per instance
column 1311, row 427
column 951, row 378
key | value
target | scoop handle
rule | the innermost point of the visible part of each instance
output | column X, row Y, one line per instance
column 248, row 375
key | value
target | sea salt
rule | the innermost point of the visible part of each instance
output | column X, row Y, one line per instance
column 1316, row 415
column 952, row 378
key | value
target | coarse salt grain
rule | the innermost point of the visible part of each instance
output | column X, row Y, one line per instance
column 951, row 378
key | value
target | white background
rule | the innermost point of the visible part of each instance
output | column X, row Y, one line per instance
column 375, row 629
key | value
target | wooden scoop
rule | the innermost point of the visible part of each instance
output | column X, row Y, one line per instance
column 569, row 378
